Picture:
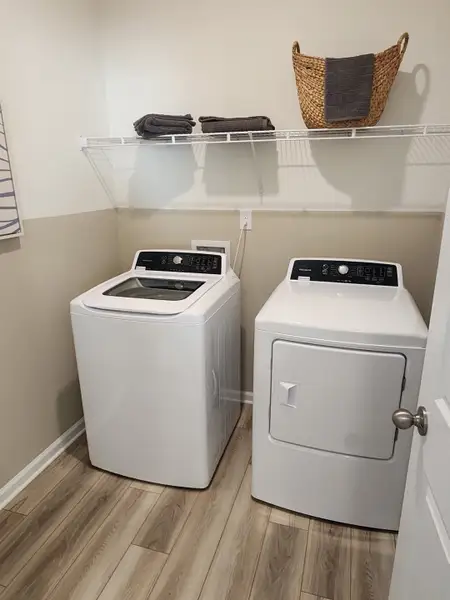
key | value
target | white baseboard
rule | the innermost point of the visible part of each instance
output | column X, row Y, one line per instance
column 247, row 397
column 36, row 466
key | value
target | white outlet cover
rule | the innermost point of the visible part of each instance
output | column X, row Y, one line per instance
column 245, row 219
column 212, row 246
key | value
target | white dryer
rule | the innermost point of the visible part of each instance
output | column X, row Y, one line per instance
column 339, row 346
column 158, row 354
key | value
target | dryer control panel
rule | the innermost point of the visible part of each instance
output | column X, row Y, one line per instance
column 345, row 271
column 176, row 261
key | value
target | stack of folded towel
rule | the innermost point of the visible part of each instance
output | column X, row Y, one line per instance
column 152, row 125
column 223, row 125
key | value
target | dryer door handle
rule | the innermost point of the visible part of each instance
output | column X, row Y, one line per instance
column 287, row 394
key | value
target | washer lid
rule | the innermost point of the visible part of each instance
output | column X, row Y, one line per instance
column 344, row 313
column 154, row 288
column 155, row 293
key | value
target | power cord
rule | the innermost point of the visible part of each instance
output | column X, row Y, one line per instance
column 242, row 236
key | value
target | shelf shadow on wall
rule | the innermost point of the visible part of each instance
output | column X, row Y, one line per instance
column 161, row 174
column 237, row 169
column 372, row 172
column 165, row 175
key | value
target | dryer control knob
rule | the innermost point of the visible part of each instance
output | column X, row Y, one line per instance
column 177, row 260
column 343, row 269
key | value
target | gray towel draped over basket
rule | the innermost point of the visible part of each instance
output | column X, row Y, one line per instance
column 348, row 87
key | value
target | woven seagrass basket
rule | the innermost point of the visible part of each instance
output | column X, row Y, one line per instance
column 310, row 78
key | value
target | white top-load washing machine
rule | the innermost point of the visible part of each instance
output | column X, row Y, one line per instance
column 339, row 346
column 158, row 354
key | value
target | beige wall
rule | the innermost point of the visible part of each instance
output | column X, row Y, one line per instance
column 58, row 258
column 412, row 240
column 52, row 56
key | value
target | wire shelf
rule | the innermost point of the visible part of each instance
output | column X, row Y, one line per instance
column 288, row 135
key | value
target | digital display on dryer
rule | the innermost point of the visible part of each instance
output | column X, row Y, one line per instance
column 343, row 271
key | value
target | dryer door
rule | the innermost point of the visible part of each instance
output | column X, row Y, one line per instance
column 334, row 399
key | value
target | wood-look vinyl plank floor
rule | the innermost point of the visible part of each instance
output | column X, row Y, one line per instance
column 246, row 418
column 372, row 563
column 93, row 568
column 280, row 568
column 78, row 540
column 164, row 523
column 36, row 491
column 148, row 487
column 233, row 569
column 25, row 539
column 8, row 522
column 135, row 575
column 46, row 568
column 328, row 564
column 291, row 519
column 187, row 566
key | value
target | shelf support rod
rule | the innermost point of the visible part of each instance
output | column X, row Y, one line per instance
column 256, row 168
column 100, row 177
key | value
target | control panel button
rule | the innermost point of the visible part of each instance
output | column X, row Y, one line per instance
column 177, row 260
column 343, row 269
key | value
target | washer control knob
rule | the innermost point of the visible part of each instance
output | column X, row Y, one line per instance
column 343, row 269
column 177, row 260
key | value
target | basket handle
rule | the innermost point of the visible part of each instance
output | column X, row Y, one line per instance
column 402, row 44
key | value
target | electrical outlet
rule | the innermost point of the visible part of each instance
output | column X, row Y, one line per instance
column 211, row 246
column 245, row 219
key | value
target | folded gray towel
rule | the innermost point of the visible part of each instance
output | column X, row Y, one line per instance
column 154, row 124
column 348, row 87
column 153, row 130
column 224, row 125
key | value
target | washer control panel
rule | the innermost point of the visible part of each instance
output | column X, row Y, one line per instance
column 180, row 262
column 345, row 271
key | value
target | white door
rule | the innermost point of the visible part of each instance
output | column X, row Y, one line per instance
column 422, row 562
